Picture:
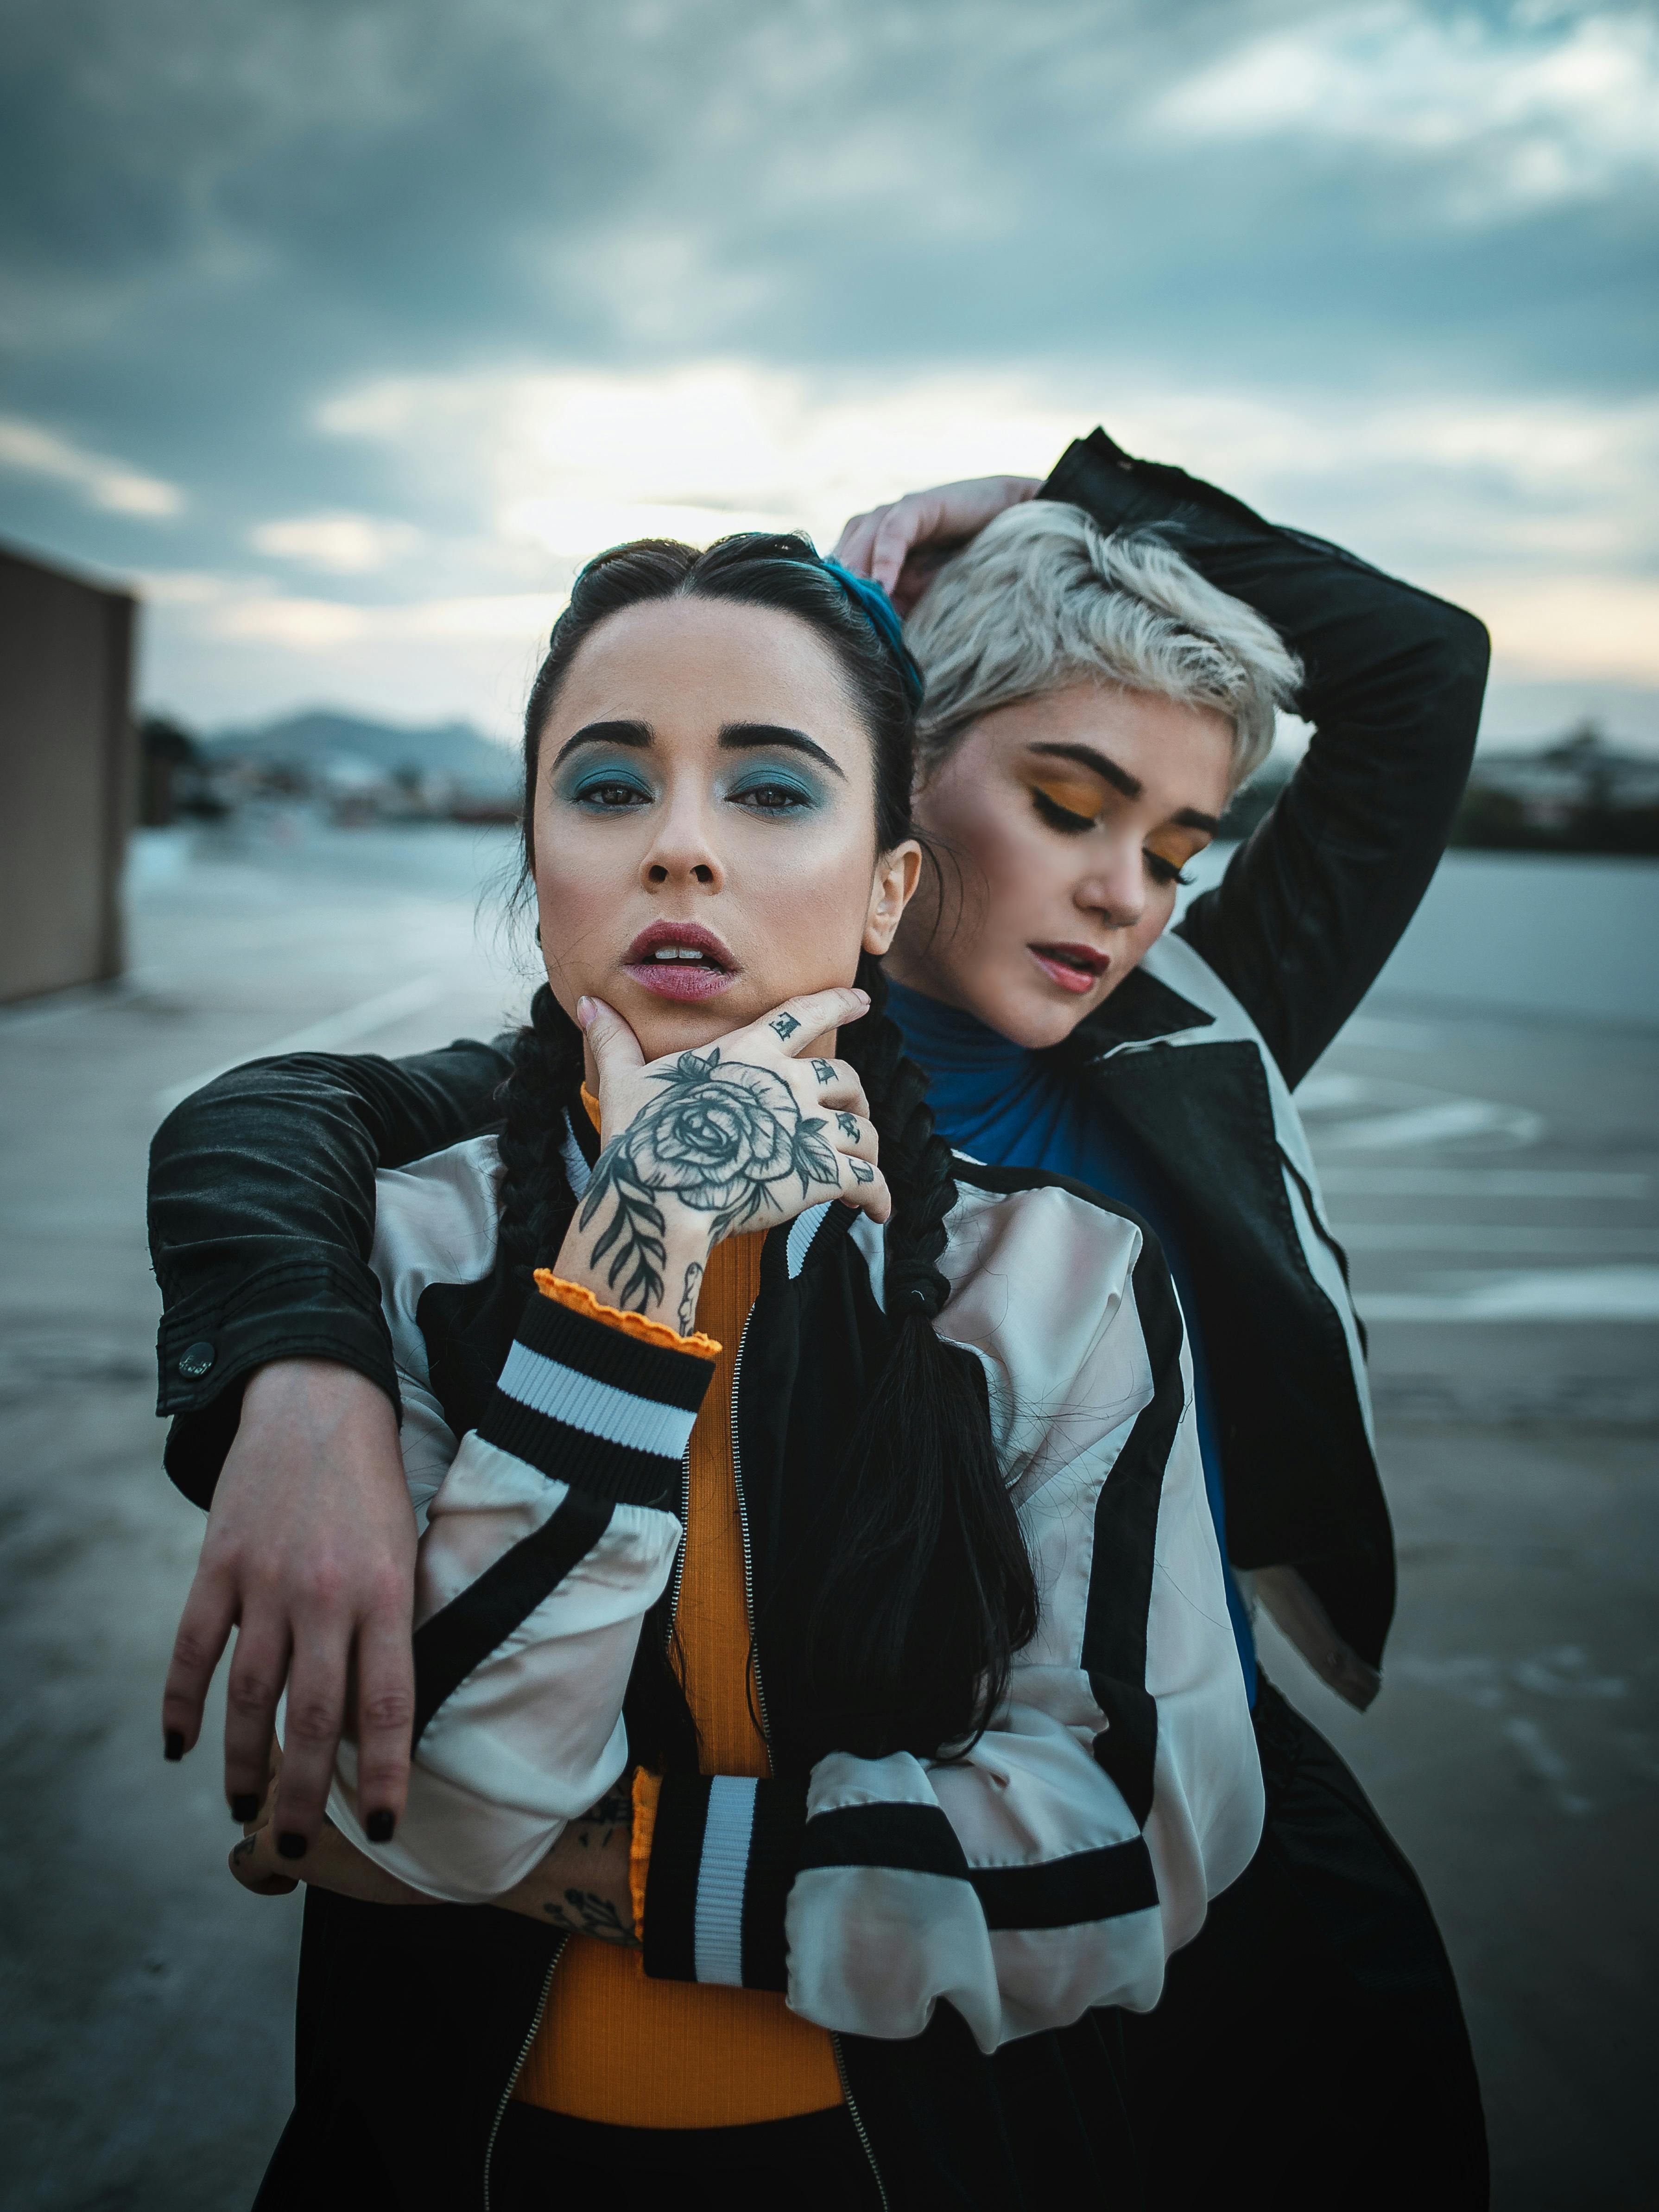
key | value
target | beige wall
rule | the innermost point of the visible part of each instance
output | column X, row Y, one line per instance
column 66, row 777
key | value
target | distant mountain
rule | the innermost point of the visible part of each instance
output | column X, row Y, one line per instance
column 312, row 741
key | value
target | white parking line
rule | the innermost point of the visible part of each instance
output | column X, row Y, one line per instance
column 349, row 1026
column 1550, row 1294
column 1451, row 1123
column 1481, row 1182
column 1530, row 1241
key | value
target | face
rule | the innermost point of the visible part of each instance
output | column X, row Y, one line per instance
column 1072, row 817
column 704, row 820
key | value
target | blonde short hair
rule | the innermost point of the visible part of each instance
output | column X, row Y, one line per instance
column 1043, row 597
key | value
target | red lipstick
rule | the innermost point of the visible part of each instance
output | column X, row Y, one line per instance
column 1076, row 968
column 680, row 960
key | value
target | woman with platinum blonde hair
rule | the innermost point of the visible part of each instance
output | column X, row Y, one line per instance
column 1104, row 655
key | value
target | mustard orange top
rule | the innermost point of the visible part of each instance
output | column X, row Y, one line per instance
column 614, row 2046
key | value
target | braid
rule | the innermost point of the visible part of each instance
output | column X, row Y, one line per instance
column 928, row 1590
column 915, row 1158
column 536, row 1198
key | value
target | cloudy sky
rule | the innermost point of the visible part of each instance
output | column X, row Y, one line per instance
column 345, row 327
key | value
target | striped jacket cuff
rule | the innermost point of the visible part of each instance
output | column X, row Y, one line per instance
column 724, row 1852
column 598, row 1408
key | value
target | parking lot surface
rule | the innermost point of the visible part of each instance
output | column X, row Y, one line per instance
column 1495, row 1181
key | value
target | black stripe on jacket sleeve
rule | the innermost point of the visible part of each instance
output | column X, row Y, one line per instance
column 1067, row 1892
column 595, row 1407
column 916, row 1837
column 462, row 1634
column 671, row 1884
column 1119, row 1602
column 774, row 1862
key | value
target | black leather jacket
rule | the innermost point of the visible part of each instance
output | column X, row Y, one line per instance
column 262, row 1192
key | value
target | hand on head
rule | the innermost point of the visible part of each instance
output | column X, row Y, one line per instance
column 904, row 544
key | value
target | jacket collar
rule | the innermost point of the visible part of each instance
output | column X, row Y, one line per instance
column 1140, row 1012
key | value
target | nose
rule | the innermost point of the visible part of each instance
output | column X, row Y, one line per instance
column 1114, row 886
column 682, row 855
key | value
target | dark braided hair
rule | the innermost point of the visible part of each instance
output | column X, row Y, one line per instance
column 924, row 1588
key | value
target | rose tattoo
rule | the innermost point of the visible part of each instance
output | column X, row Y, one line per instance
column 717, row 1142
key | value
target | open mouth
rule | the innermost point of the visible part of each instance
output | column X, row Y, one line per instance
column 680, row 960
column 1075, row 967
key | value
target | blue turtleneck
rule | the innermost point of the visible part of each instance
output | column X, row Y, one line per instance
column 1006, row 1107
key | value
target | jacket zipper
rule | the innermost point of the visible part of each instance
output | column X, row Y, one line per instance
column 531, row 2034
column 742, row 1524
column 679, row 1562
column 857, row 2119
column 852, row 2111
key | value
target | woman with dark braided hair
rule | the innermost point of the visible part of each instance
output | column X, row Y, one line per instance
column 825, row 1705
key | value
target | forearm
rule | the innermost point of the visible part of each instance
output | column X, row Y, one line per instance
column 261, row 1221
column 582, row 1887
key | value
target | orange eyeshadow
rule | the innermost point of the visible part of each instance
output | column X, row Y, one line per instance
column 1076, row 797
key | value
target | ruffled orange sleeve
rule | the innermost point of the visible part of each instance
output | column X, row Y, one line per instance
column 581, row 1300
column 645, row 1789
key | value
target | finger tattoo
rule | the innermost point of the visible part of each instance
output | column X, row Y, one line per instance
column 848, row 1126
column 785, row 1024
column 824, row 1069
column 861, row 1171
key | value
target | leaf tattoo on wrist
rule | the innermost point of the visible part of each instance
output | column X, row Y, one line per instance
column 687, row 1313
column 718, row 1142
column 583, row 1912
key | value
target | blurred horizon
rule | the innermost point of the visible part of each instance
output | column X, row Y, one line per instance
column 343, row 334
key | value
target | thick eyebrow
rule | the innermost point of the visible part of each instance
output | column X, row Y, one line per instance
column 1120, row 780
column 748, row 737
column 638, row 734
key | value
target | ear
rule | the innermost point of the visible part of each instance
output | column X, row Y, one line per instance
column 897, row 873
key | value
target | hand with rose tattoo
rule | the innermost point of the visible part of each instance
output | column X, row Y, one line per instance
column 746, row 1132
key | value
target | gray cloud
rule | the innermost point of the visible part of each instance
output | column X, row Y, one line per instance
column 216, row 219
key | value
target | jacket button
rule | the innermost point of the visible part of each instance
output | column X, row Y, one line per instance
column 195, row 1362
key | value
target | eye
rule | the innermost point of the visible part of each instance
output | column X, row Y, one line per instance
column 607, row 791
column 775, row 795
column 1163, row 871
column 1065, row 819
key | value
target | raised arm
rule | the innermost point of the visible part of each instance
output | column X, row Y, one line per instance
column 1312, row 906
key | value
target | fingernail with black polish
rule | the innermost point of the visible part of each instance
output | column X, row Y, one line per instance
column 244, row 1806
column 379, row 1827
column 290, row 1844
column 173, row 1745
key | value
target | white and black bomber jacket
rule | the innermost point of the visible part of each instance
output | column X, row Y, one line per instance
column 1053, row 1868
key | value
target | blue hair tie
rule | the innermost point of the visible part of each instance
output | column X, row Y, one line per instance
column 882, row 616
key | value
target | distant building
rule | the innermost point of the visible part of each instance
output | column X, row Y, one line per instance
column 67, row 776
column 1580, row 794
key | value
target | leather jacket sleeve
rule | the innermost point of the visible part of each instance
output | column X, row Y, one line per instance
column 262, row 1220
column 1311, row 906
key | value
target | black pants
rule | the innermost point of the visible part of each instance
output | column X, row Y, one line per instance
column 1311, row 2038
column 543, row 2160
